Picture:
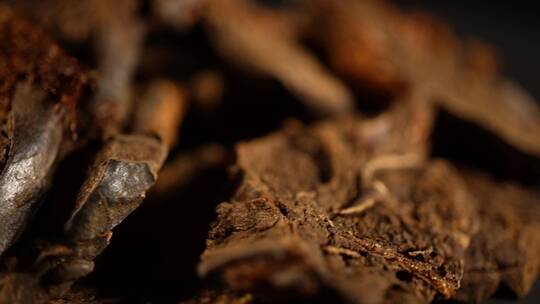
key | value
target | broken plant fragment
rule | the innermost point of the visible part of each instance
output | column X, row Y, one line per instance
column 350, row 209
column 380, row 48
column 161, row 111
column 506, row 249
column 268, row 43
column 285, row 234
column 187, row 166
column 124, row 170
column 118, row 47
column 39, row 90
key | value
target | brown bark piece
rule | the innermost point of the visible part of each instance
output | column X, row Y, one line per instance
column 161, row 111
column 39, row 86
column 506, row 249
column 124, row 170
column 380, row 47
column 268, row 43
column 362, row 216
column 117, row 183
column 119, row 48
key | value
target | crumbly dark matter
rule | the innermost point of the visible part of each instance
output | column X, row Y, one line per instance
column 404, row 231
column 360, row 211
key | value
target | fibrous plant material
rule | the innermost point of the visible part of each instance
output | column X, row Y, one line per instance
column 362, row 211
column 40, row 85
column 506, row 249
column 419, row 232
column 379, row 47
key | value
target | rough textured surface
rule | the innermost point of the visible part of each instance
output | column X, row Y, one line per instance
column 124, row 170
column 116, row 185
column 362, row 210
column 34, row 149
column 363, row 207
column 401, row 232
column 39, row 87
column 506, row 250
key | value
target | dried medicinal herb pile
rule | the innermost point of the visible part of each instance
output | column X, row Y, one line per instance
column 244, row 151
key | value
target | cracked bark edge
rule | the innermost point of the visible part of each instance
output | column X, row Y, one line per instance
column 506, row 250
column 273, row 233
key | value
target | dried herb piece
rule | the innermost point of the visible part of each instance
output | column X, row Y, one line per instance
column 119, row 47
column 124, row 170
column 160, row 111
column 349, row 210
column 364, row 218
column 506, row 249
column 268, row 43
column 117, row 183
column 40, row 85
column 380, row 47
